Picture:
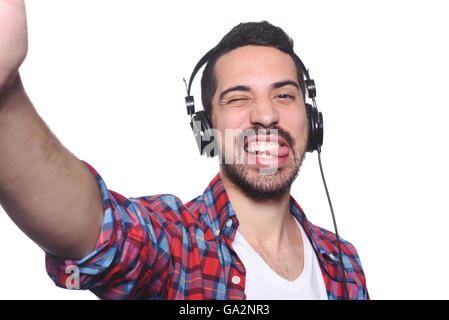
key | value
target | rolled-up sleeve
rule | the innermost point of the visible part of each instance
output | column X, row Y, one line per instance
column 122, row 265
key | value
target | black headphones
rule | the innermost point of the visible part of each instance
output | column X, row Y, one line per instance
column 201, row 125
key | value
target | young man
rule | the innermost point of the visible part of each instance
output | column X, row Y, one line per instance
column 244, row 238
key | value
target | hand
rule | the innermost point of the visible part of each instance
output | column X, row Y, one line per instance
column 13, row 39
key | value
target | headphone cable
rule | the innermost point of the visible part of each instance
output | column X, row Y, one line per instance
column 335, row 227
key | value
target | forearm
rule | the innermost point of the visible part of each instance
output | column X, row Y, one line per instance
column 44, row 188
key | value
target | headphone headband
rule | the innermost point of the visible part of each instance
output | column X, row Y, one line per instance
column 205, row 59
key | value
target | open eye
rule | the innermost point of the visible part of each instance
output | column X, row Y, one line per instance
column 284, row 96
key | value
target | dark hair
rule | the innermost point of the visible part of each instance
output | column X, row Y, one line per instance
column 250, row 33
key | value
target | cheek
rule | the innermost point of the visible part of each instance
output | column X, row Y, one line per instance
column 221, row 123
column 229, row 125
column 296, row 123
column 235, row 119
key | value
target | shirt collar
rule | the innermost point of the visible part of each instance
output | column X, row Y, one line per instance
column 324, row 244
column 218, row 214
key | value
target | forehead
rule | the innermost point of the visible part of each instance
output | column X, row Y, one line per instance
column 254, row 66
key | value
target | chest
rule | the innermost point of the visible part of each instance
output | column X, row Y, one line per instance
column 288, row 265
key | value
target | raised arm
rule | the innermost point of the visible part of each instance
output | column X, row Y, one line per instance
column 44, row 188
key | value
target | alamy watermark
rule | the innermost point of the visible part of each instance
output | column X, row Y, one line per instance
column 73, row 280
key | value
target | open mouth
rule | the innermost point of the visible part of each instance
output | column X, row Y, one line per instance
column 267, row 150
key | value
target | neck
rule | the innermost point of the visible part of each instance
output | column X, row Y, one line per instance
column 267, row 222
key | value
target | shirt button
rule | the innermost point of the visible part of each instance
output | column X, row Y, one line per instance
column 217, row 232
column 235, row 279
column 229, row 223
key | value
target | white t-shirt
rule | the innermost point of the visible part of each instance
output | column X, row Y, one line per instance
column 262, row 283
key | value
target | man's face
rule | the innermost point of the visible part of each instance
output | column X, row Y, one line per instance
column 258, row 88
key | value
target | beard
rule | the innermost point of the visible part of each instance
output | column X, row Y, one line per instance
column 266, row 184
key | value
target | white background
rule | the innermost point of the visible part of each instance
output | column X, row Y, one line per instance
column 106, row 76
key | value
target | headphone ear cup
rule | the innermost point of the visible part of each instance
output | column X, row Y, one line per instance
column 315, row 122
column 202, row 130
column 311, row 88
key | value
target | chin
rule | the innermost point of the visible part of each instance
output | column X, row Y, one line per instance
column 261, row 183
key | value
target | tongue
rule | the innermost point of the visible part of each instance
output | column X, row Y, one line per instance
column 283, row 151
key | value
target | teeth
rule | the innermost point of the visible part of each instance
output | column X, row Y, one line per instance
column 261, row 148
column 267, row 156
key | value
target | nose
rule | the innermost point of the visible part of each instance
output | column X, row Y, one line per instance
column 264, row 113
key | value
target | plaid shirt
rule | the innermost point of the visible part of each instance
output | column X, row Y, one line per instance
column 156, row 247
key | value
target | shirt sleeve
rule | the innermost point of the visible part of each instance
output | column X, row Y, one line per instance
column 126, row 262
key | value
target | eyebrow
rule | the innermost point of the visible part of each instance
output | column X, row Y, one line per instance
column 281, row 84
column 275, row 85
column 236, row 88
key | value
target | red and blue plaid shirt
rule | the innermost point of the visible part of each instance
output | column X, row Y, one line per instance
column 157, row 247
